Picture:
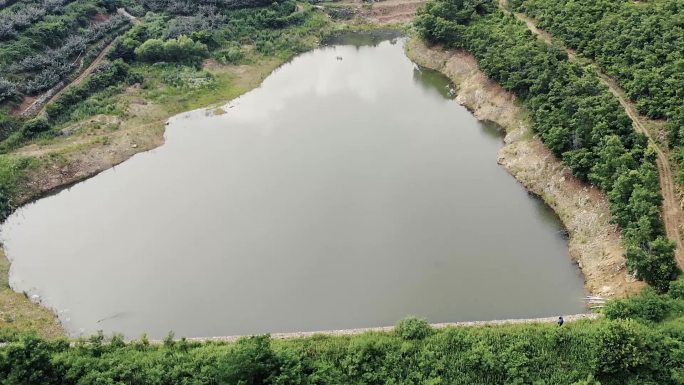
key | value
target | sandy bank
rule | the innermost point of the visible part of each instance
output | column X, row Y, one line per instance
column 594, row 242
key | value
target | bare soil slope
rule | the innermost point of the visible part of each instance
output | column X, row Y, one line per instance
column 594, row 242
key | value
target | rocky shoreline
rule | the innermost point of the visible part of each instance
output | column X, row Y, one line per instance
column 594, row 242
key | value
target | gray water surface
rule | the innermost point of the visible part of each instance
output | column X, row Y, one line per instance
column 339, row 194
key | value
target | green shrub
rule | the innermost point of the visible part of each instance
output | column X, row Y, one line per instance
column 106, row 75
column 183, row 49
column 677, row 289
column 230, row 55
column 647, row 305
column 627, row 349
column 34, row 127
column 413, row 328
column 8, row 125
column 575, row 116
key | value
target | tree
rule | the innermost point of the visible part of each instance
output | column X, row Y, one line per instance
column 654, row 264
column 151, row 50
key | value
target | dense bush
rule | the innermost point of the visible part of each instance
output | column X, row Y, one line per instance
column 206, row 19
column 54, row 65
column 413, row 328
column 11, row 23
column 229, row 55
column 48, row 51
column 182, row 49
column 34, row 127
column 182, row 7
column 612, row 352
column 573, row 114
column 107, row 74
column 677, row 289
column 648, row 305
column 639, row 43
column 7, row 89
column 221, row 28
column 8, row 125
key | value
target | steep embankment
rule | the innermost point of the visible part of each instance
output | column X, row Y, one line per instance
column 594, row 242
column 671, row 209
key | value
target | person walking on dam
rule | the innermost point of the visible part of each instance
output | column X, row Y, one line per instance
column 560, row 321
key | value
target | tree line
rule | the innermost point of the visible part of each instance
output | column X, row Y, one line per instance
column 641, row 341
column 641, row 44
column 575, row 116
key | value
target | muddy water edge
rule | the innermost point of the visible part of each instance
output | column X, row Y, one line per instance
column 594, row 242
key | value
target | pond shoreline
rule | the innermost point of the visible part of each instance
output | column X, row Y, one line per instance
column 388, row 329
column 57, row 173
column 594, row 242
column 603, row 276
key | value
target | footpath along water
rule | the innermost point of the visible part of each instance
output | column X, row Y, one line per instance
column 348, row 191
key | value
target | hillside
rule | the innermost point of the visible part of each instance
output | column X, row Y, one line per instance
column 86, row 84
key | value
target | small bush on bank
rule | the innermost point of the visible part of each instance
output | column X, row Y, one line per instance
column 413, row 328
column 36, row 126
column 647, row 305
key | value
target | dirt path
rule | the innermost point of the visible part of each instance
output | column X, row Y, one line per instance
column 80, row 77
column 671, row 209
column 28, row 107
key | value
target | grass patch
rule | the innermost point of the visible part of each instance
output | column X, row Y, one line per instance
column 18, row 315
column 12, row 171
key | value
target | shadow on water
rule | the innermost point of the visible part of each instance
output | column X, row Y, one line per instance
column 363, row 38
column 493, row 130
column 432, row 80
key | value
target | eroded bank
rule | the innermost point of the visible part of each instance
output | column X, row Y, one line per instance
column 594, row 242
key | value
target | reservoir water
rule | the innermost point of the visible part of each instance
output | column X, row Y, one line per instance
column 348, row 190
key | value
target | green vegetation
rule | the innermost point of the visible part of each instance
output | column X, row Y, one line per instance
column 172, row 50
column 129, row 91
column 106, row 75
column 641, row 339
column 573, row 114
column 48, row 49
column 163, row 54
column 11, row 171
column 638, row 43
column 624, row 348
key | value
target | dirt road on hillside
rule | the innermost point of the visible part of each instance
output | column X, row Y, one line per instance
column 671, row 209
column 37, row 106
